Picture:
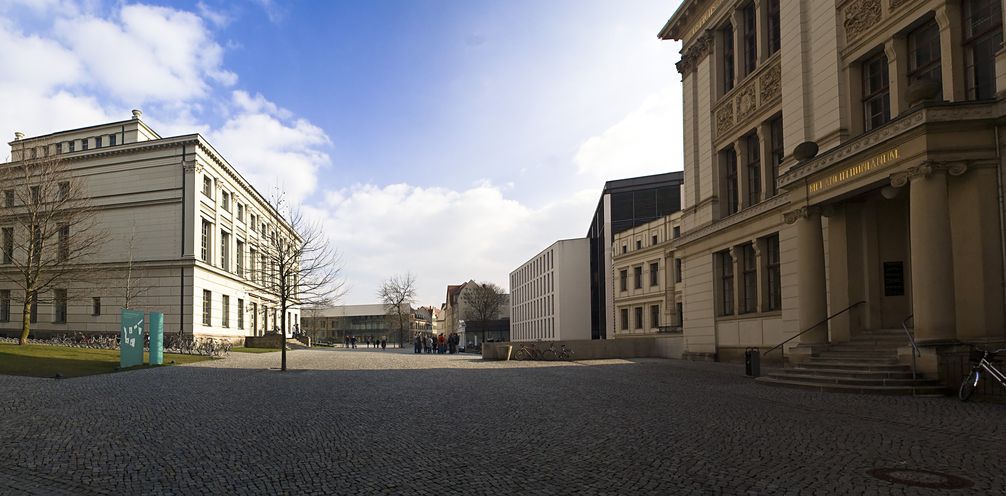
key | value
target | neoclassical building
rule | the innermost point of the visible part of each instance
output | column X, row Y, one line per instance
column 645, row 275
column 195, row 231
column 841, row 154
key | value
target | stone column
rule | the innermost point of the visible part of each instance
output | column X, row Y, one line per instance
column 810, row 274
column 761, row 24
column 759, row 275
column 897, row 61
column 735, row 265
column 932, row 255
column 737, row 23
column 948, row 18
column 765, row 155
column 741, row 148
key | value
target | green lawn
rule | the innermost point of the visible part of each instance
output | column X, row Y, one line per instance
column 242, row 349
column 47, row 361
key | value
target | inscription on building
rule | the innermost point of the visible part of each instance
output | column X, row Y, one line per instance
column 859, row 169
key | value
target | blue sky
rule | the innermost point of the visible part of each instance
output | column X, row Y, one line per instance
column 452, row 139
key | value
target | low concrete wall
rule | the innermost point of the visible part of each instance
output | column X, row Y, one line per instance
column 267, row 341
column 599, row 349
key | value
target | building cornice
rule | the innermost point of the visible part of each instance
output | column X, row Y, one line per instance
column 737, row 218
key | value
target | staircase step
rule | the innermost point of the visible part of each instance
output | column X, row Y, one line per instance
column 864, row 348
column 862, row 353
column 876, row 374
column 855, row 359
column 853, row 381
column 853, row 365
column 847, row 388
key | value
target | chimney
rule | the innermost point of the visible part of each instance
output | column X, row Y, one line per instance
column 18, row 136
column 136, row 114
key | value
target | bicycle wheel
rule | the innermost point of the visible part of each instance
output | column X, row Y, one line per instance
column 968, row 385
column 520, row 355
column 549, row 355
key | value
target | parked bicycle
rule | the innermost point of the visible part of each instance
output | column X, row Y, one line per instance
column 552, row 354
column 982, row 360
column 527, row 352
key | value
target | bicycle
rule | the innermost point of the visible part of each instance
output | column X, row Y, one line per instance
column 982, row 360
column 553, row 354
column 527, row 352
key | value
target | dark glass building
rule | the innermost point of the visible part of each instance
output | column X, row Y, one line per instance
column 624, row 204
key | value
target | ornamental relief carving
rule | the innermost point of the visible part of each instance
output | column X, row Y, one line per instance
column 724, row 118
column 694, row 54
column 745, row 101
column 898, row 3
column 758, row 91
column 771, row 84
column 860, row 16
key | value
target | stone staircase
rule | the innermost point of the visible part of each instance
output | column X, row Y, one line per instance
column 866, row 364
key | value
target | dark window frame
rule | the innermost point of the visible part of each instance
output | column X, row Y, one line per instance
column 753, row 166
column 749, row 279
column 726, row 283
column 876, row 93
column 988, row 35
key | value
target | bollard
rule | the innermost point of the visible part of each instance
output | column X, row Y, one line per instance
column 752, row 362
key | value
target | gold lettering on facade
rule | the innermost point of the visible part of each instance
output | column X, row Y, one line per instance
column 863, row 167
column 701, row 22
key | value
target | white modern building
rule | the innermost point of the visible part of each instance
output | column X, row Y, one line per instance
column 196, row 233
column 550, row 294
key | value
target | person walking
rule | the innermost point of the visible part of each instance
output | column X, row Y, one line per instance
column 352, row 341
column 346, row 339
column 384, row 344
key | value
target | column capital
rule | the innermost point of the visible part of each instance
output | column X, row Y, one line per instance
column 926, row 169
column 757, row 247
column 190, row 166
column 801, row 213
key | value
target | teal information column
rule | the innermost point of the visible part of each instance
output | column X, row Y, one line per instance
column 156, row 338
column 131, row 339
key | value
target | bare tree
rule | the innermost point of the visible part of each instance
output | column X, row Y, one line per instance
column 133, row 287
column 299, row 267
column 483, row 302
column 399, row 293
column 51, row 235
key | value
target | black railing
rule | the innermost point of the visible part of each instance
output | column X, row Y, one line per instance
column 811, row 328
column 911, row 339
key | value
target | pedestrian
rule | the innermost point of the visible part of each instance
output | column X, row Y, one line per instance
column 417, row 345
column 346, row 339
column 384, row 344
column 440, row 344
column 429, row 344
column 352, row 341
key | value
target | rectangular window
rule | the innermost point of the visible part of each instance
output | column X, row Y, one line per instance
column 637, row 276
column 639, row 317
column 111, row 140
column 730, row 180
column 254, row 316
column 623, row 278
column 654, row 274
column 727, row 63
column 64, row 190
column 654, row 316
column 64, row 242
column 208, row 186
column 97, row 141
column 774, row 38
column 653, row 239
column 36, row 194
column 225, row 201
column 225, row 250
column 8, row 245
column 4, row 305
column 924, row 54
column 676, row 232
column 240, row 259
column 252, row 220
column 207, row 307
column 225, row 311
column 983, row 36
column 753, row 165
column 205, row 246
column 73, row 144
column 252, row 256
column 876, row 92
column 59, row 148
column 96, row 305
column 749, row 274
column 778, row 154
column 59, row 306
column 677, row 270
column 241, row 212
column 773, row 278
column 639, row 244
column 750, row 38
column 8, row 198
column 83, row 144
column 241, row 313
column 680, row 317
column 726, row 282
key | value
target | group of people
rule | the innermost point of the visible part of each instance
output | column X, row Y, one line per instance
column 436, row 343
column 370, row 341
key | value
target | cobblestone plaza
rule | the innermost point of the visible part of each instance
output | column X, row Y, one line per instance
column 371, row 422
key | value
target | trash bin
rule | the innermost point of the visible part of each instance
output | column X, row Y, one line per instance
column 752, row 362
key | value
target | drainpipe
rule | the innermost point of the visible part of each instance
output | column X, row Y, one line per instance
column 1002, row 221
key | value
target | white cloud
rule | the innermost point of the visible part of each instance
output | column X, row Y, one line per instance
column 217, row 17
column 646, row 141
column 442, row 235
column 272, row 149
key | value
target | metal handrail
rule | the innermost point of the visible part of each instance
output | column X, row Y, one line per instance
column 911, row 339
column 783, row 351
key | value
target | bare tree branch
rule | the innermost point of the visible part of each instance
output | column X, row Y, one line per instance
column 483, row 301
column 397, row 292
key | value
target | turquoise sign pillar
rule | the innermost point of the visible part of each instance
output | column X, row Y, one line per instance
column 131, row 339
column 156, row 338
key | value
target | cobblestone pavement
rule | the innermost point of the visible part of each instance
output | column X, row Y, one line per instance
column 371, row 422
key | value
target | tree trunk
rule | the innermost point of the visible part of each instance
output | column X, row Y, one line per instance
column 25, row 321
column 282, row 331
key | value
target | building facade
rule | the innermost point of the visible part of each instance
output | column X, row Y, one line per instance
column 551, row 294
column 193, row 231
column 337, row 323
column 843, row 160
column 645, row 277
column 624, row 204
